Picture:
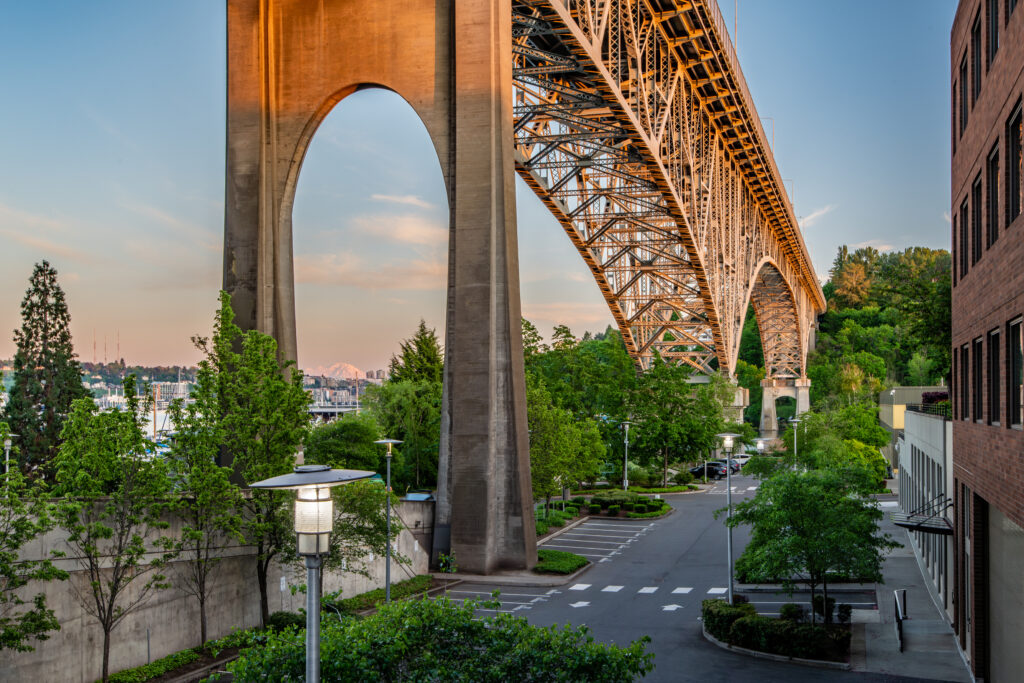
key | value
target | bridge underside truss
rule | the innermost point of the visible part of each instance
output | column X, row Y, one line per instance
column 634, row 127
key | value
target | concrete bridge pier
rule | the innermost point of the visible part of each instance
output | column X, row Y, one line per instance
column 798, row 388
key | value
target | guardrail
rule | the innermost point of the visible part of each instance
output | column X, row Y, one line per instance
column 944, row 410
column 901, row 613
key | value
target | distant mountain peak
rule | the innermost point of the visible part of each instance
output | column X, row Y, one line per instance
column 339, row 370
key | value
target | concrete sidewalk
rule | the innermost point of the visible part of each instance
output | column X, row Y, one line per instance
column 930, row 649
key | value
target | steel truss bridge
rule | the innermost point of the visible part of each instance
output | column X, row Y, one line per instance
column 633, row 124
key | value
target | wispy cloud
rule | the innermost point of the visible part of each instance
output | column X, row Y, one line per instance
column 409, row 199
column 49, row 247
column 10, row 215
column 809, row 220
column 204, row 237
column 880, row 245
column 347, row 269
column 408, row 229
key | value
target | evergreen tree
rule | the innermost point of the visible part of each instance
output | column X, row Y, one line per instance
column 47, row 378
column 421, row 358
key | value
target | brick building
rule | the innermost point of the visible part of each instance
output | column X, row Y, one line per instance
column 987, row 79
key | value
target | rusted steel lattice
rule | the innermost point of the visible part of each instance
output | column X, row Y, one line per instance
column 634, row 126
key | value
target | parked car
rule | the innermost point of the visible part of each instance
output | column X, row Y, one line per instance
column 735, row 465
column 715, row 470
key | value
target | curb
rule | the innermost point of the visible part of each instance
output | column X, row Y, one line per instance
column 521, row 579
column 818, row 663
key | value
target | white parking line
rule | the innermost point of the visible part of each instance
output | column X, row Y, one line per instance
column 589, row 540
column 574, row 548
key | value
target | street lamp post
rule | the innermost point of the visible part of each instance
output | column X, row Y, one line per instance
column 387, row 563
column 727, row 441
column 625, row 459
column 7, row 453
column 795, row 421
column 314, row 519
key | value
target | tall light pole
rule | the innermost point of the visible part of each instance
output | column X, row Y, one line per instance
column 7, row 453
column 727, row 441
column 795, row 421
column 625, row 458
column 387, row 562
column 314, row 520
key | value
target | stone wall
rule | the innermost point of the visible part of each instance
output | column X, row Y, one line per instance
column 169, row 620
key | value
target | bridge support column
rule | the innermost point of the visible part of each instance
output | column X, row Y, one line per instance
column 803, row 395
column 769, row 418
column 288, row 63
column 798, row 388
column 740, row 401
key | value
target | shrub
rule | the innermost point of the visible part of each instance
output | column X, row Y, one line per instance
column 364, row 601
column 719, row 616
column 579, row 501
column 279, row 621
column 155, row 669
column 558, row 562
column 613, row 510
column 683, row 477
column 792, row 612
column 819, row 608
column 572, row 511
column 542, row 527
column 628, row 507
column 448, row 643
column 594, row 509
column 844, row 612
column 655, row 503
column 640, row 507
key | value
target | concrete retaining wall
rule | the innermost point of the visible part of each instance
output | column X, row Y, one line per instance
column 171, row 617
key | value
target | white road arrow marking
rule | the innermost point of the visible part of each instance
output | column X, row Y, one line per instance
column 579, row 604
column 539, row 600
column 671, row 608
column 553, row 592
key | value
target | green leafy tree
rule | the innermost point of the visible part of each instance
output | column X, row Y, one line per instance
column 263, row 421
column 47, row 378
column 811, row 527
column 553, row 440
column 751, row 349
column 24, row 516
column 360, row 527
column 346, row 443
column 410, row 410
column 420, row 358
column 207, row 502
column 533, row 343
column 114, row 495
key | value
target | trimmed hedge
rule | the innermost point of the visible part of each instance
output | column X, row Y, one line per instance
column 594, row 509
column 613, row 510
column 558, row 562
column 740, row 625
column 792, row 612
column 719, row 616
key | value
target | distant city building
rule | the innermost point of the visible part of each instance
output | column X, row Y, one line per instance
column 382, row 374
column 987, row 193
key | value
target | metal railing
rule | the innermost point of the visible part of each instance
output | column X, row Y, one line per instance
column 944, row 410
column 900, row 598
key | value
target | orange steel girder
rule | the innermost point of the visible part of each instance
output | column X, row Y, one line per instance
column 635, row 128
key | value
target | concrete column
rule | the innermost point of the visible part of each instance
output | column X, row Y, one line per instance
column 289, row 63
column 769, row 418
column 803, row 395
column 740, row 401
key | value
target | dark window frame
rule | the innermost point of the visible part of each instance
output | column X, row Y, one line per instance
column 976, row 59
column 1015, row 373
column 965, row 249
column 994, row 378
column 993, row 30
column 978, row 378
column 1014, row 198
column 965, row 382
column 964, row 80
column 976, row 218
column 992, row 195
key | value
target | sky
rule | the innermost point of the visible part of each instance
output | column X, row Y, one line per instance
column 112, row 168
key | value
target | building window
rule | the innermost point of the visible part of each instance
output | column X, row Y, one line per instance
column 976, row 59
column 1015, row 373
column 963, row 93
column 992, row 195
column 1013, row 166
column 994, row 375
column 965, row 383
column 993, row 30
column 976, row 220
column 1010, row 5
column 977, row 385
column 964, row 242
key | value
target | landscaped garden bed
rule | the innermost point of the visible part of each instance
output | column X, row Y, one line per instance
column 558, row 562
column 791, row 635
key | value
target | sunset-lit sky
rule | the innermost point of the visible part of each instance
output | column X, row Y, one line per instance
column 112, row 168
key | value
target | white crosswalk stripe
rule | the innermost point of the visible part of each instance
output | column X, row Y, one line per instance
column 611, row 589
column 648, row 589
column 579, row 587
column 683, row 590
column 717, row 591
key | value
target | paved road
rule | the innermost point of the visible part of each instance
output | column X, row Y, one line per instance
column 654, row 586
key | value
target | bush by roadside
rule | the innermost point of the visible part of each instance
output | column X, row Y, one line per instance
column 558, row 562
column 740, row 625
